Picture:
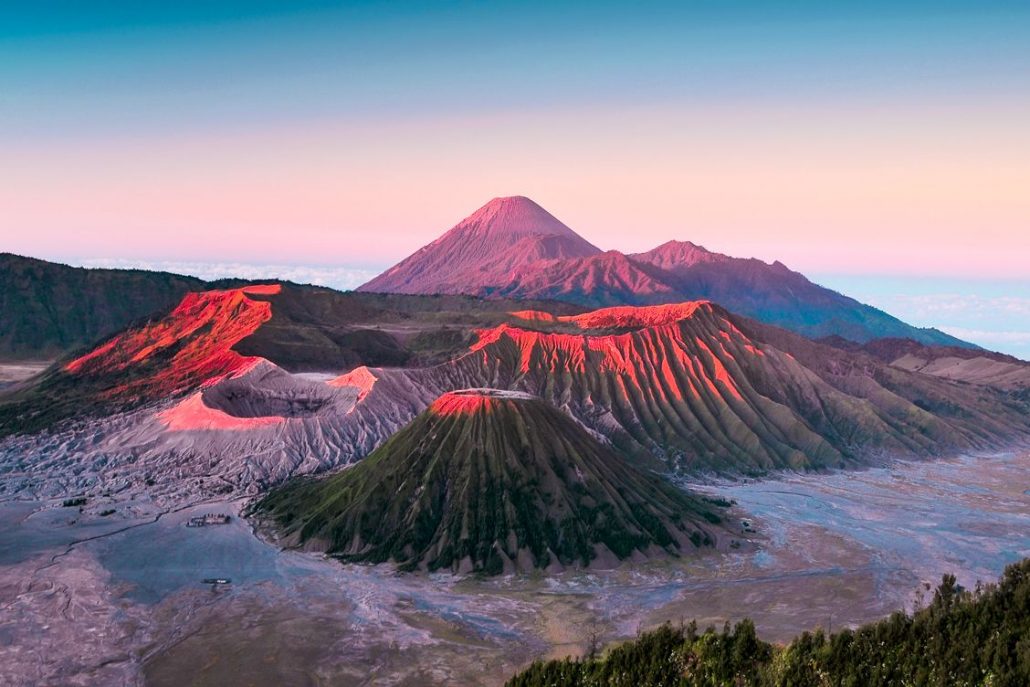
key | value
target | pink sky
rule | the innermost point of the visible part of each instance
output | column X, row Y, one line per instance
column 915, row 191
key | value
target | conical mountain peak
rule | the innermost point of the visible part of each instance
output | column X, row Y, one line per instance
column 514, row 216
column 485, row 248
column 492, row 481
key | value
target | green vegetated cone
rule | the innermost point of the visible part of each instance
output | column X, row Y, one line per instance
column 492, row 481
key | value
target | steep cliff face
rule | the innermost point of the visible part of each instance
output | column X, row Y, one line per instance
column 491, row 481
column 192, row 345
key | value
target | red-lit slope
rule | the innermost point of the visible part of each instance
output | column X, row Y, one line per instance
column 473, row 401
column 189, row 347
column 483, row 250
column 687, row 382
column 672, row 379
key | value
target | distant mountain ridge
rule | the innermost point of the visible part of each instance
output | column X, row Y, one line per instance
column 48, row 309
column 974, row 366
column 513, row 248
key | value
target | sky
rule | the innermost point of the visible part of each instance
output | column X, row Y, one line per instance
column 878, row 143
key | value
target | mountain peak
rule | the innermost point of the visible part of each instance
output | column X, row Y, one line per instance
column 677, row 254
column 485, row 249
column 513, row 216
column 469, row 401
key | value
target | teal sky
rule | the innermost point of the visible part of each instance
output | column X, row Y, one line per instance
column 82, row 69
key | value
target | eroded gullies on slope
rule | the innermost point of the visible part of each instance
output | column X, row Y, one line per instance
column 688, row 386
column 193, row 343
column 490, row 481
column 163, row 358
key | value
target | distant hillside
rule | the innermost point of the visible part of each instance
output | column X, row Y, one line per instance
column 48, row 309
column 513, row 248
column 492, row 481
column 972, row 365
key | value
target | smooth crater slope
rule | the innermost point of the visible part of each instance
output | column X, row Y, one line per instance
column 512, row 247
column 490, row 481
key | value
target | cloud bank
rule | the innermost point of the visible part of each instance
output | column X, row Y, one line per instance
column 342, row 278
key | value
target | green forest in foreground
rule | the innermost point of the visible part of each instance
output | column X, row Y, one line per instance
column 963, row 637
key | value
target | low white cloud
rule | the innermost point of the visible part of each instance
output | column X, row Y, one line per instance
column 983, row 336
column 342, row 278
column 1000, row 323
column 929, row 305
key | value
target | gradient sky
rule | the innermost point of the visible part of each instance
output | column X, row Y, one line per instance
column 872, row 138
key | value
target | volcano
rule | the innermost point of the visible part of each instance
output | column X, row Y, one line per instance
column 490, row 481
column 483, row 250
column 214, row 336
column 212, row 389
column 513, row 248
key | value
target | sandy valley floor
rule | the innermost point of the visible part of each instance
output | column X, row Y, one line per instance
column 119, row 599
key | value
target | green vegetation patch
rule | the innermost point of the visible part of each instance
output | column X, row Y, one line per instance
column 515, row 484
column 963, row 638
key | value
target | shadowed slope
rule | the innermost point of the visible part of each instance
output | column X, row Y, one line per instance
column 489, row 481
column 48, row 309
